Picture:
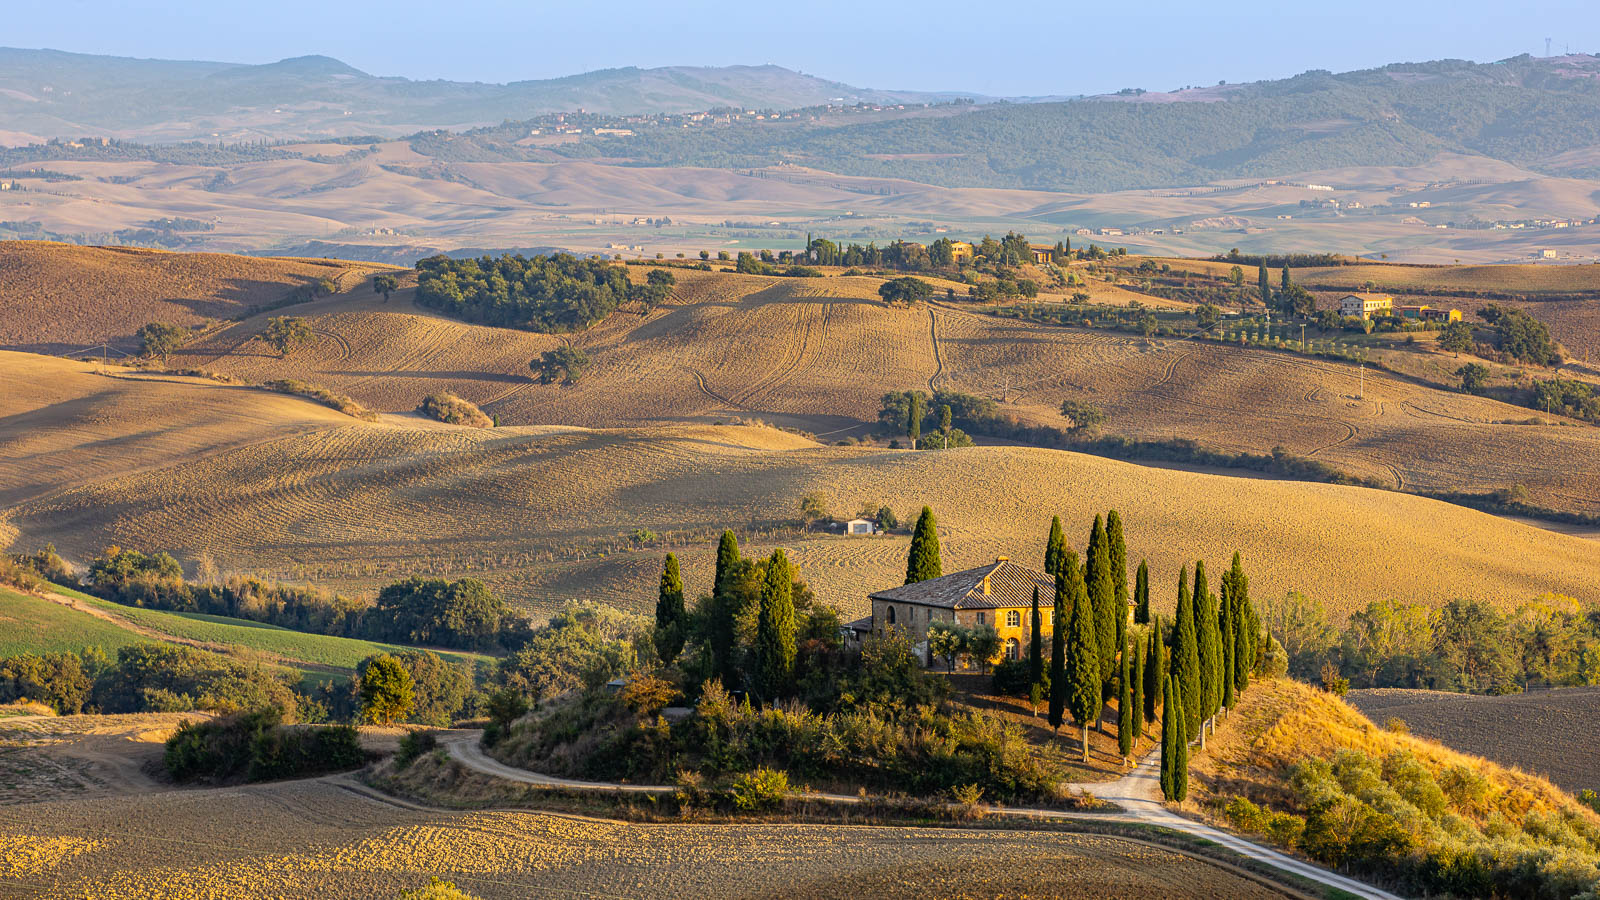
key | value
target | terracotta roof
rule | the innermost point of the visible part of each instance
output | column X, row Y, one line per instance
column 1009, row 585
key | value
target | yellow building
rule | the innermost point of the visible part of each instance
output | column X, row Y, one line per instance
column 1364, row 306
column 999, row 595
column 961, row 251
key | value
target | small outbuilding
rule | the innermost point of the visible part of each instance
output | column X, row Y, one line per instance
column 860, row 526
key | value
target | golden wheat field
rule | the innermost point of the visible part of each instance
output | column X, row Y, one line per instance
column 547, row 514
column 61, row 298
column 317, row 839
column 819, row 353
column 1547, row 732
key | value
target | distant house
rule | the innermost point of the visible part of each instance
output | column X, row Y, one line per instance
column 1364, row 306
column 999, row 595
column 1426, row 313
column 860, row 526
column 1043, row 253
column 961, row 251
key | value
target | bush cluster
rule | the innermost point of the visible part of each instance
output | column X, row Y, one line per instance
column 447, row 407
column 257, row 746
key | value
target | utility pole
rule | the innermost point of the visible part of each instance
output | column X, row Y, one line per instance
column 1302, row 337
column 1362, row 368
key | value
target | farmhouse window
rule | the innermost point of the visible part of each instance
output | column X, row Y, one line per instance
column 1013, row 619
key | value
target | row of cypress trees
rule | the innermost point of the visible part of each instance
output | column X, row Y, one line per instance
column 774, row 647
column 1214, row 649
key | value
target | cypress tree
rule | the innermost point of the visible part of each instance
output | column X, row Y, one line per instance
column 1084, row 684
column 1036, row 643
column 923, row 561
column 1054, row 547
column 1244, row 655
column 727, row 557
column 1225, row 631
column 1171, row 727
column 1284, row 280
column 670, row 615
column 1184, row 661
column 1127, row 719
column 1097, row 579
column 914, row 419
column 1141, row 594
column 1060, row 614
column 1180, row 765
column 1155, row 675
column 1136, row 690
column 1265, row 283
column 1206, row 640
column 775, row 628
column 1118, row 549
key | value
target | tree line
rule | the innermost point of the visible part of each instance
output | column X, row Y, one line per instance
column 559, row 293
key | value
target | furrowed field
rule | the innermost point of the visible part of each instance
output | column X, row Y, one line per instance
column 316, row 839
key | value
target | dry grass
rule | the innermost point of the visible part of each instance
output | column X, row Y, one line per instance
column 545, row 514
column 312, row 838
column 59, row 297
column 1282, row 722
column 818, row 354
column 1551, row 733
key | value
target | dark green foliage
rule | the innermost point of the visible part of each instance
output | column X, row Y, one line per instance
column 1127, row 717
column 1035, row 641
column 727, row 557
column 414, row 745
column 1474, row 378
column 1174, row 746
column 255, row 746
column 58, row 680
column 1155, row 674
column 905, row 290
column 1244, row 624
column 1227, row 642
column 173, row 678
column 160, row 339
column 1102, row 595
column 1141, row 594
column 1082, row 680
column 582, row 646
column 384, row 284
column 915, row 409
column 1118, row 548
column 1264, row 285
column 543, row 293
column 1520, row 336
column 1207, row 642
column 671, row 617
column 460, row 614
column 1184, row 661
column 1060, row 617
column 775, row 628
column 1136, row 649
column 439, row 687
column 922, row 562
column 287, row 333
column 1567, row 398
column 1085, row 416
column 1456, row 337
column 386, row 690
column 1054, row 547
column 563, row 365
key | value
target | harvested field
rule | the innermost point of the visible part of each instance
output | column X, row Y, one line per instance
column 60, row 298
column 314, row 838
column 1551, row 733
column 546, row 514
column 819, row 353
column 55, row 757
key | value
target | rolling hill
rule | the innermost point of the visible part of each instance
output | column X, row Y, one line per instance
column 548, row 514
column 49, row 93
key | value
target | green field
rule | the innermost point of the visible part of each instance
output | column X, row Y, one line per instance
column 31, row 625
column 66, row 629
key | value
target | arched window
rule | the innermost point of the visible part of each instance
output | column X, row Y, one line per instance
column 1013, row 619
column 1013, row 649
column 890, row 615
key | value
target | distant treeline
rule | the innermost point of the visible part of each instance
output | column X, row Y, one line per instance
column 1292, row 260
column 557, row 293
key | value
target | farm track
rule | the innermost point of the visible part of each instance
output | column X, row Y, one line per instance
column 938, row 357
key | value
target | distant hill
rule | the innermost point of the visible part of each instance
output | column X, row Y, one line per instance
column 49, row 93
column 1542, row 114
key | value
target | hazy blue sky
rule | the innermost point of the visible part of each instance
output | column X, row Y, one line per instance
column 994, row 48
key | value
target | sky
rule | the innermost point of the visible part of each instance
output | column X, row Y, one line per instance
column 1018, row 49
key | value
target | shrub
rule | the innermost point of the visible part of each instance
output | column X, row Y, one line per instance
column 563, row 365
column 341, row 402
column 415, row 744
column 287, row 333
column 447, row 407
column 761, row 789
column 1085, row 416
column 386, row 689
column 255, row 746
column 436, row 889
column 161, row 339
column 543, row 293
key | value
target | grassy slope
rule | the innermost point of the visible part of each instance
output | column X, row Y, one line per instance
column 31, row 625
column 73, row 630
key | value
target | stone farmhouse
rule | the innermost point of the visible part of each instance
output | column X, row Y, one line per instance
column 999, row 594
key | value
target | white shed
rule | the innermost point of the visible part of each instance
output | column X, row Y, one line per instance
column 860, row 526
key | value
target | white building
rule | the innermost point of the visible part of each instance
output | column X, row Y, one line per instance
column 860, row 526
column 1363, row 306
